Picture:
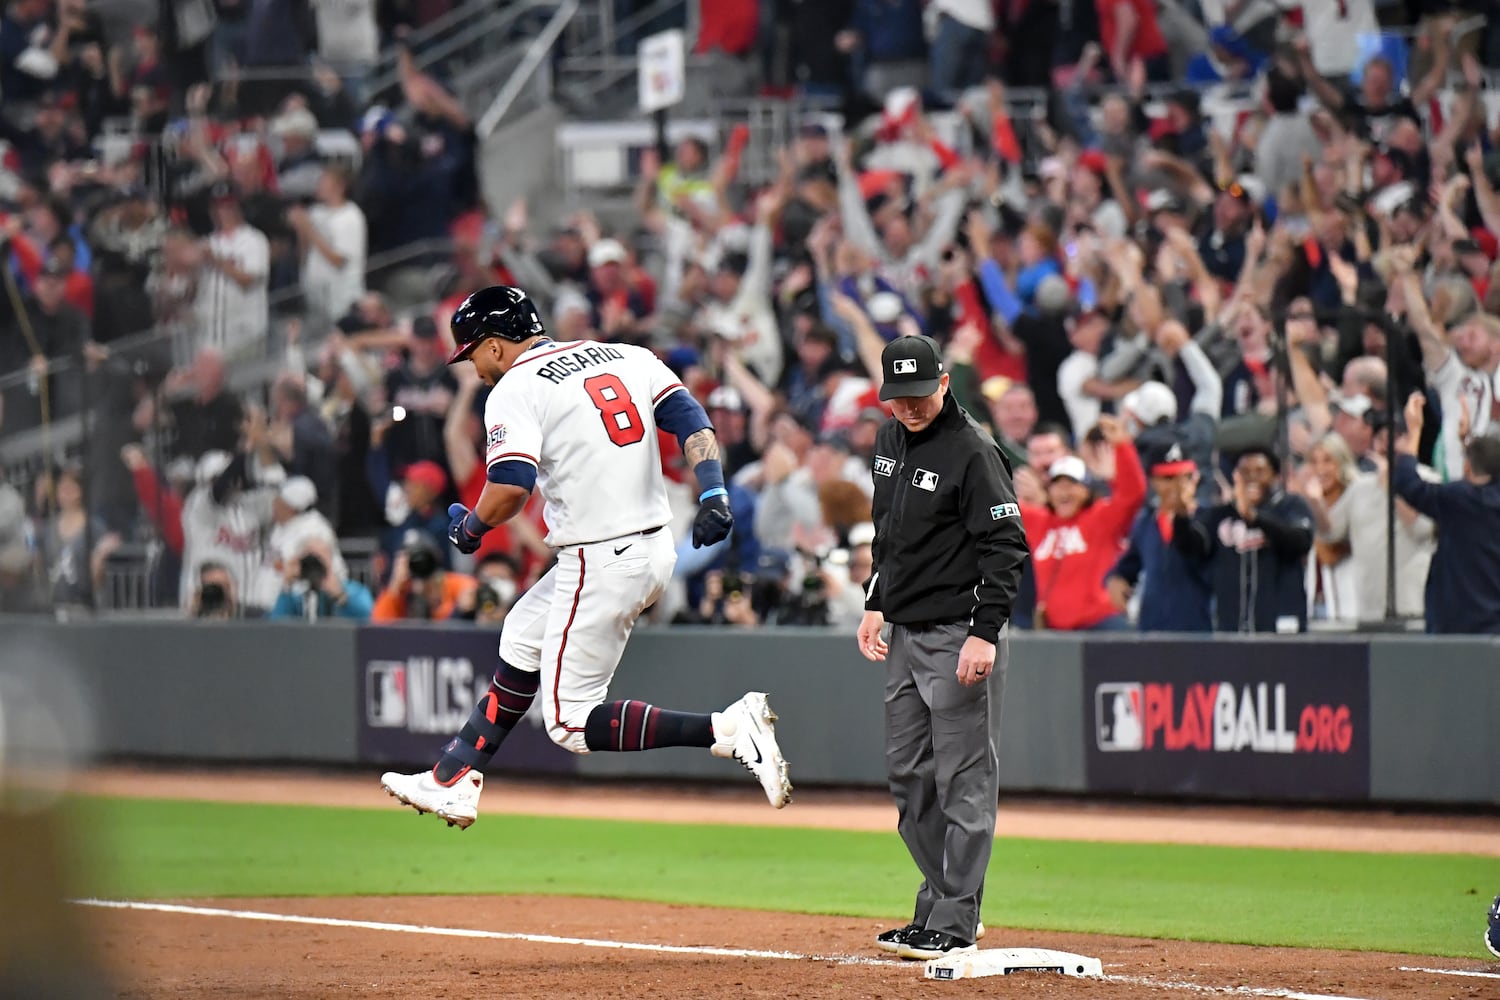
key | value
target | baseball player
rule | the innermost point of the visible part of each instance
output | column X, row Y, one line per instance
column 578, row 421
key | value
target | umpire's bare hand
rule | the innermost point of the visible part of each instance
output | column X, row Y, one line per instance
column 870, row 644
column 975, row 661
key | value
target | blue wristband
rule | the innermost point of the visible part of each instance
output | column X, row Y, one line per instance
column 474, row 527
column 710, row 476
column 717, row 491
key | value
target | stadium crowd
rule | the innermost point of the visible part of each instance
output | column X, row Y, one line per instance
column 1197, row 340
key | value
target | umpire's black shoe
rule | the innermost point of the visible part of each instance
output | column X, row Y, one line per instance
column 927, row 945
column 892, row 941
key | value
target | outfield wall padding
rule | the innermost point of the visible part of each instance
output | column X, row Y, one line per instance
column 226, row 691
column 1312, row 718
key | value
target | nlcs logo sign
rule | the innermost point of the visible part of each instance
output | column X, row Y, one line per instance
column 1216, row 717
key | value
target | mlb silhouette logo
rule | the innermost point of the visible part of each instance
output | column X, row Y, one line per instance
column 1117, row 716
column 925, row 480
column 385, row 693
column 905, row 366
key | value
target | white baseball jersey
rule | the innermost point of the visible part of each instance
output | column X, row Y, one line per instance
column 1457, row 384
column 584, row 415
column 232, row 536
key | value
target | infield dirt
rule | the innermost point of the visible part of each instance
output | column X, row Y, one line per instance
column 186, row 955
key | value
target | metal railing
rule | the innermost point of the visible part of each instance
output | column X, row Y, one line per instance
column 429, row 43
column 532, row 60
column 23, row 454
column 460, row 49
column 593, row 67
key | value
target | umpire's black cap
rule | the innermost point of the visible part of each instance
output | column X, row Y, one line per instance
column 497, row 311
column 910, row 366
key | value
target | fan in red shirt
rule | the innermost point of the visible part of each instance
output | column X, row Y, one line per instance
column 1128, row 31
column 1076, row 539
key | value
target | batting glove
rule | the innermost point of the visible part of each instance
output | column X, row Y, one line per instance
column 466, row 529
column 714, row 519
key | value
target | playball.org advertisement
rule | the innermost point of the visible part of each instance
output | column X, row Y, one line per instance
column 1230, row 720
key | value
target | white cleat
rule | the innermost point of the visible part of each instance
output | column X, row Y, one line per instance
column 457, row 803
column 746, row 732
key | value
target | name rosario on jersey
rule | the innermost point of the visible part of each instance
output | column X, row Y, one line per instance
column 571, row 362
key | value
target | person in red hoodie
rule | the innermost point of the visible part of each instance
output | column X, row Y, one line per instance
column 1076, row 539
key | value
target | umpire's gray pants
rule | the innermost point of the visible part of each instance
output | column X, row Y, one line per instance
column 943, row 770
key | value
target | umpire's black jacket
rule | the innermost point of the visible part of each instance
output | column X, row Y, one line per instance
column 949, row 543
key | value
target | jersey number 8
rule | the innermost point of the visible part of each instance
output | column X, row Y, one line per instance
column 622, row 421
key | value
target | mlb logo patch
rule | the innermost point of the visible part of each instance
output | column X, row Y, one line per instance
column 496, row 436
column 884, row 466
column 925, row 480
column 1001, row 511
column 1117, row 717
column 905, row 366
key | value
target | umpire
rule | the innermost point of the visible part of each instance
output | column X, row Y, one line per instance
column 948, row 553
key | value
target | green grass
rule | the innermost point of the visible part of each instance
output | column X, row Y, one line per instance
column 1425, row 904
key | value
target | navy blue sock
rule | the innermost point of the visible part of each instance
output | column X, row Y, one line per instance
column 503, row 705
column 635, row 725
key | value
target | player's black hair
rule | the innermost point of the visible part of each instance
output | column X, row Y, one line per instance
column 1263, row 450
column 1483, row 453
column 1283, row 91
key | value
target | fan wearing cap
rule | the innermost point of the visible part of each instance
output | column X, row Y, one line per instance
column 225, row 517
column 1223, row 246
column 294, row 521
column 1150, row 410
column 417, row 507
column 1257, row 547
column 613, row 297
column 1077, row 537
column 579, row 423
column 947, row 557
column 60, row 330
column 420, row 393
column 1178, row 594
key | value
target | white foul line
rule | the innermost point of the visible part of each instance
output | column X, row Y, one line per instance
column 1452, row 972
column 463, row 932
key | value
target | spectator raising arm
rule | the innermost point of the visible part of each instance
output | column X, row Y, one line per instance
column 859, row 229
column 1485, row 194
column 462, row 455
column 1433, row 340
column 1128, row 488
column 159, row 501
column 868, row 343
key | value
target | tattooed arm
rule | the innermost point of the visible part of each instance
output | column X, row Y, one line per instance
column 700, row 447
column 680, row 414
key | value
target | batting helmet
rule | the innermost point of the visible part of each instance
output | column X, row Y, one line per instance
column 497, row 311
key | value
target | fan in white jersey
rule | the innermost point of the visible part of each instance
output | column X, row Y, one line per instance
column 578, row 421
column 1462, row 365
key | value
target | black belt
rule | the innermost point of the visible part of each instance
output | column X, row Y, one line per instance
column 930, row 626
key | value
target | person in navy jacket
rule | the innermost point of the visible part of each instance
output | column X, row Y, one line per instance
column 1178, row 592
column 1463, row 584
column 1257, row 546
